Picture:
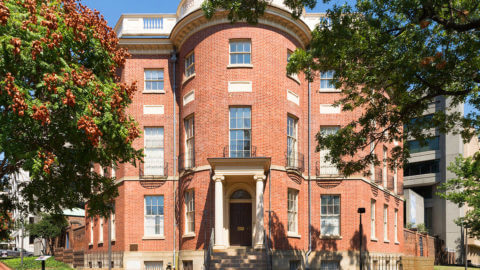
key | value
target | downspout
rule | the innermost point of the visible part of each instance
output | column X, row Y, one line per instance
column 309, row 184
column 269, row 214
column 174, row 61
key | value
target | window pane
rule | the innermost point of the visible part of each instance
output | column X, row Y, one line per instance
column 246, row 58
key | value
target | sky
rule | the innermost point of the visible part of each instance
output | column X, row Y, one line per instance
column 112, row 9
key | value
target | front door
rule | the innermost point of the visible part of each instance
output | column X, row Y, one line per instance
column 240, row 224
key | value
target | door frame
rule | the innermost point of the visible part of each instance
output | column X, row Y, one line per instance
column 226, row 207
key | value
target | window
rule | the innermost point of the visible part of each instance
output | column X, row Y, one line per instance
column 326, row 81
column 112, row 222
column 240, row 52
column 372, row 165
column 153, row 216
column 433, row 143
column 330, row 265
column 292, row 141
column 292, row 211
column 154, row 150
column 189, row 142
column 372, row 220
column 240, row 131
column 422, row 167
column 295, row 265
column 187, row 265
column 289, row 54
column 190, row 211
column 100, row 231
column 330, row 215
column 31, row 220
column 154, row 80
column 385, row 222
column 190, row 65
column 153, row 265
column 395, row 179
column 326, row 166
column 31, row 240
column 384, row 165
column 395, row 225
column 67, row 240
column 91, row 231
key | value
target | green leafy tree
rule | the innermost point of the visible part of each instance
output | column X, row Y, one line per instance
column 391, row 60
column 62, row 106
column 48, row 228
column 464, row 190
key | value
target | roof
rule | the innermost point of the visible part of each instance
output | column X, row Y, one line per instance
column 74, row 212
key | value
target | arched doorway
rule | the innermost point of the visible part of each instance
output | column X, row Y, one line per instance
column 240, row 218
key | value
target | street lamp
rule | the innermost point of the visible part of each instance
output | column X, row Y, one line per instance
column 361, row 210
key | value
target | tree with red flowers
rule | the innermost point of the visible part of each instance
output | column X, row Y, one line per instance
column 62, row 106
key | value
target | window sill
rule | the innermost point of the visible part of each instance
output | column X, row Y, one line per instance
column 374, row 239
column 90, row 244
column 329, row 90
column 186, row 79
column 240, row 66
column 397, row 243
column 386, row 241
column 294, row 77
column 189, row 235
column 331, row 237
column 153, row 92
column 153, row 237
column 293, row 235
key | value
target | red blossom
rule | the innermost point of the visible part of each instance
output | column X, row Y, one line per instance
column 91, row 129
column 4, row 13
column 41, row 114
column 69, row 99
column 17, row 43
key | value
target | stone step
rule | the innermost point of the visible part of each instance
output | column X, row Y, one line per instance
column 241, row 265
column 248, row 257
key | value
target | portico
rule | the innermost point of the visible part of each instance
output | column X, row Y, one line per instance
column 239, row 201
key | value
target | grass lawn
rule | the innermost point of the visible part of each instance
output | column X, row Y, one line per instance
column 30, row 263
column 441, row 267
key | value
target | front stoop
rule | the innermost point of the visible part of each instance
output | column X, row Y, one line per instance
column 239, row 259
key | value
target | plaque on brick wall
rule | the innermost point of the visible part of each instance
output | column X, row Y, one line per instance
column 133, row 247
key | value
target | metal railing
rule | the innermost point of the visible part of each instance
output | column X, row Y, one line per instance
column 378, row 176
column 383, row 262
column 267, row 250
column 227, row 153
column 160, row 172
column 186, row 162
column 295, row 161
column 321, row 170
column 208, row 251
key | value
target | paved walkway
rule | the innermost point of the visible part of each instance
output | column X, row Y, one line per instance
column 3, row 267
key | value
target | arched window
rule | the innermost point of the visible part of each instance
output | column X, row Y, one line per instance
column 240, row 194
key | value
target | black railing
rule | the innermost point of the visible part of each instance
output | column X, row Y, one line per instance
column 294, row 161
column 186, row 162
column 208, row 251
column 154, row 172
column 391, row 182
column 227, row 153
column 325, row 169
column 378, row 176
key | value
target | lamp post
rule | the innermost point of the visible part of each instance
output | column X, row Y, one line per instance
column 361, row 211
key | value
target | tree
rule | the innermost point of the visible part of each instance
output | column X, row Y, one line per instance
column 62, row 106
column 464, row 191
column 391, row 60
column 49, row 227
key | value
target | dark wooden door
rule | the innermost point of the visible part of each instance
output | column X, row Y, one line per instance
column 240, row 224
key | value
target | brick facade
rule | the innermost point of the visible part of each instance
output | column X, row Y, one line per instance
column 269, row 110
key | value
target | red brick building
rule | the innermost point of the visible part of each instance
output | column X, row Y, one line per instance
column 226, row 144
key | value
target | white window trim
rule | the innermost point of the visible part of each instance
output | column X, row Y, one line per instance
column 373, row 214
column 160, row 91
column 91, row 232
column 295, row 75
column 230, row 128
column 294, row 139
column 192, row 65
column 339, row 235
column 154, row 236
column 191, row 195
column 395, row 225
column 230, row 65
column 190, row 120
column 163, row 147
column 327, row 90
column 113, row 224
column 384, row 168
column 385, row 224
column 294, row 212
column 328, row 167
column 100, row 231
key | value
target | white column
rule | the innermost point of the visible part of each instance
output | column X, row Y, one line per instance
column 259, row 233
column 219, row 243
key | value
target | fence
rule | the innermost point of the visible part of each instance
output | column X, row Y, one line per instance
column 417, row 244
column 100, row 260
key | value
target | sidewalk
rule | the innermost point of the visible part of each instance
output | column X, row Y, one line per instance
column 3, row 267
